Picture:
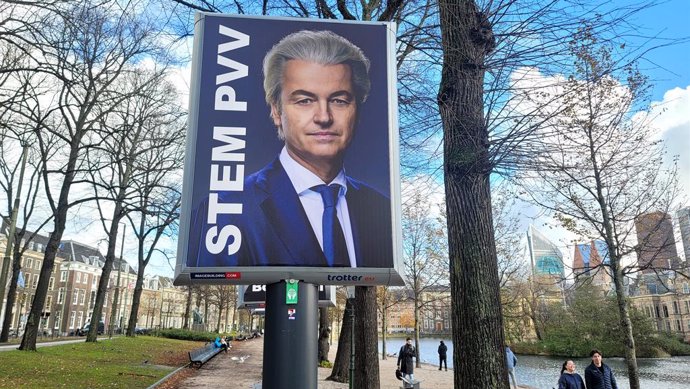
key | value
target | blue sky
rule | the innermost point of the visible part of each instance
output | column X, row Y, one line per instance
column 668, row 67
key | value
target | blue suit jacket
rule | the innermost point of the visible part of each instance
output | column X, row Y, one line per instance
column 276, row 231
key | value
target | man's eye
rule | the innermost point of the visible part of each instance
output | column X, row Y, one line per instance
column 304, row 101
column 340, row 101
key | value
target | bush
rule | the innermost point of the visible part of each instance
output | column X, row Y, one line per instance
column 181, row 334
column 326, row 364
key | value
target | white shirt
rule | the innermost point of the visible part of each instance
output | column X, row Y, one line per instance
column 302, row 180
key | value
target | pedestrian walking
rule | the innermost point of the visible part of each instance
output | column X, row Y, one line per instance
column 569, row 379
column 511, row 362
column 405, row 360
column 599, row 375
column 442, row 355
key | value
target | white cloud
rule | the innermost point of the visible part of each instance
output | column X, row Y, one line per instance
column 671, row 117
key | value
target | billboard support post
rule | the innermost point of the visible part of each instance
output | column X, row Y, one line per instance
column 290, row 340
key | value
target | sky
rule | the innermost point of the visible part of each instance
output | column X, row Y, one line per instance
column 667, row 67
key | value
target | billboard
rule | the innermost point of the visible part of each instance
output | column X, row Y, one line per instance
column 254, row 296
column 291, row 168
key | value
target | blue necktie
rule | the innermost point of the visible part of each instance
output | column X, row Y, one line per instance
column 334, row 247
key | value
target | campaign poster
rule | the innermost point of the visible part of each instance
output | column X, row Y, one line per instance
column 291, row 165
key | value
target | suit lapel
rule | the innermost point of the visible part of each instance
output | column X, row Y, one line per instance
column 283, row 210
column 356, row 217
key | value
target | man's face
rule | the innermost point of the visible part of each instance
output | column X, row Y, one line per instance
column 596, row 359
column 317, row 113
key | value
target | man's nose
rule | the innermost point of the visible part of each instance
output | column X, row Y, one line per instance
column 323, row 116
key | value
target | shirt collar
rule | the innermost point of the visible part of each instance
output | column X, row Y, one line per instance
column 303, row 179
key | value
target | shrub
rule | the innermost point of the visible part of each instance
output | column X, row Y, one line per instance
column 181, row 334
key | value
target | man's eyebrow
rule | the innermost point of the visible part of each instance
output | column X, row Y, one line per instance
column 302, row 92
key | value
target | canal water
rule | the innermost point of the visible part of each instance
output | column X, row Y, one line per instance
column 543, row 372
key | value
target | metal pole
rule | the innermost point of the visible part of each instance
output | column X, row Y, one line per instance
column 10, row 235
column 113, row 310
column 290, row 340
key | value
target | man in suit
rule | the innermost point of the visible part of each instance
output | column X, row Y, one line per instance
column 302, row 209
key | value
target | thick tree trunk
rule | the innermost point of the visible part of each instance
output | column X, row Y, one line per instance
column 11, row 297
column 324, row 334
column 136, row 299
column 626, row 328
column 475, row 286
column 92, row 335
column 341, row 365
column 366, row 339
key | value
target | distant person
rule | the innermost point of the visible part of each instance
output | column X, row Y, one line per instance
column 511, row 362
column 223, row 344
column 442, row 357
column 405, row 360
column 569, row 379
column 599, row 375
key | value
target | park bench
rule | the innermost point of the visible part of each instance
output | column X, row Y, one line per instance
column 201, row 355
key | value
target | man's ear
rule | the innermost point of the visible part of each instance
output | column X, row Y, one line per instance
column 275, row 115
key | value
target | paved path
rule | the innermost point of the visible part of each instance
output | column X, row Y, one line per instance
column 14, row 346
column 241, row 368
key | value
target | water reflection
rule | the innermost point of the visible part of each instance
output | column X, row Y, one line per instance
column 542, row 372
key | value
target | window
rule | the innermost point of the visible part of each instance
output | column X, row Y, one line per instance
column 63, row 276
column 61, row 295
column 678, row 327
column 51, row 283
column 31, row 245
column 675, row 307
column 78, row 277
column 686, row 288
column 39, row 247
column 34, row 281
column 105, row 299
column 75, row 298
column 666, row 311
column 72, row 316
column 445, row 324
column 82, row 296
column 92, row 300
column 56, row 321
column 37, row 264
column 49, row 304
column 80, row 319
column 94, row 282
column 85, row 280
column 657, row 310
column 687, row 306
column 29, row 263
column 668, row 326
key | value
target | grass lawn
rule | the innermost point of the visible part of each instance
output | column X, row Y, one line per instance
column 117, row 363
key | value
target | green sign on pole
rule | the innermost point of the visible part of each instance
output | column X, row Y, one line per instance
column 291, row 292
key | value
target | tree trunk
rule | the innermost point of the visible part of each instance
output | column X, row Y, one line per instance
column 92, row 335
column 626, row 326
column 11, row 297
column 188, row 308
column 384, row 329
column 366, row 339
column 136, row 299
column 475, row 287
column 341, row 365
column 418, row 363
column 324, row 334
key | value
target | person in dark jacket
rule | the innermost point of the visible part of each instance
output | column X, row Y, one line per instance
column 569, row 379
column 442, row 355
column 598, row 375
column 405, row 362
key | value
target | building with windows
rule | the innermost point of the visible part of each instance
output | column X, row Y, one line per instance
column 656, row 244
column 545, row 257
column 665, row 299
column 588, row 263
column 684, row 224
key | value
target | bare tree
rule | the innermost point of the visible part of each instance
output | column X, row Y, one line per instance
column 138, row 144
column 425, row 262
column 599, row 167
column 221, row 295
column 84, row 49
column 386, row 298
